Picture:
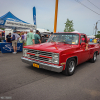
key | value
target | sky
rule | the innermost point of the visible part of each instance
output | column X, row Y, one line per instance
column 84, row 20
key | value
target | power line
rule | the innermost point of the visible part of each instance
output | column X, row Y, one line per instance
column 87, row 7
column 93, row 4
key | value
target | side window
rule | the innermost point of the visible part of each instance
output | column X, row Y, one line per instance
column 83, row 39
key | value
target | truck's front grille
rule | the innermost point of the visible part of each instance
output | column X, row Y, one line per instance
column 37, row 55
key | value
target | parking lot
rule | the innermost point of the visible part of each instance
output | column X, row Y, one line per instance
column 20, row 81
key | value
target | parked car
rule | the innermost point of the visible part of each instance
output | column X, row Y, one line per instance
column 61, row 53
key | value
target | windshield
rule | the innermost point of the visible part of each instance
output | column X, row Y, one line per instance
column 67, row 38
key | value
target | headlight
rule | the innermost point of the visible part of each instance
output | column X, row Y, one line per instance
column 25, row 52
column 55, row 58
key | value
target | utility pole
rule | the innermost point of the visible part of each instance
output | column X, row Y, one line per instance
column 56, row 12
column 96, row 28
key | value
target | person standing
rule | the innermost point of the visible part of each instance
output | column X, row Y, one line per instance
column 8, row 38
column 37, row 37
column 30, row 38
column 40, row 36
column 14, row 36
column 95, row 40
column 25, row 35
column 22, row 39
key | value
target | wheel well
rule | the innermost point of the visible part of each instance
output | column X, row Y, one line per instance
column 76, row 59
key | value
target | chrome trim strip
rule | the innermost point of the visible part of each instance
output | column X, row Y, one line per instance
column 40, row 51
column 43, row 65
column 39, row 59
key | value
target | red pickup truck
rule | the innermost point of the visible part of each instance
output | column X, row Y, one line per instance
column 61, row 53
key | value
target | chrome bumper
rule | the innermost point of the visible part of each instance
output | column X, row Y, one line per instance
column 43, row 65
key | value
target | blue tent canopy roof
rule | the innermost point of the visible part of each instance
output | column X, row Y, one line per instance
column 9, row 20
column 9, row 16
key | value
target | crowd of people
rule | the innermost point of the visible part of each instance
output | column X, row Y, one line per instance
column 94, row 40
column 23, row 37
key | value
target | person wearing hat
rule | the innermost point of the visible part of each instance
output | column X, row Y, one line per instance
column 14, row 39
column 30, row 38
column 37, row 37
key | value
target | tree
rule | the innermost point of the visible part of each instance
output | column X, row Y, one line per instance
column 69, row 26
column 98, row 32
column 47, row 29
column 98, row 35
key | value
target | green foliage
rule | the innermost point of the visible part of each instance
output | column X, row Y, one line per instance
column 98, row 32
column 98, row 35
column 47, row 29
column 69, row 26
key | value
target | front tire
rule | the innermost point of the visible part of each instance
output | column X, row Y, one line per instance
column 70, row 67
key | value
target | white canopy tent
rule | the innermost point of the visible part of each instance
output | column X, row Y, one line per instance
column 91, row 36
column 43, row 30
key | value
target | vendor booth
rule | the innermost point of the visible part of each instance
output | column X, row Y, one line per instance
column 10, row 21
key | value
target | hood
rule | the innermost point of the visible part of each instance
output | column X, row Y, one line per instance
column 51, row 47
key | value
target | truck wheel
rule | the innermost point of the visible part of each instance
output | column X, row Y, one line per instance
column 94, row 58
column 70, row 67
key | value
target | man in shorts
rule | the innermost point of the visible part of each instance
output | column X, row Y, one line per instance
column 14, row 42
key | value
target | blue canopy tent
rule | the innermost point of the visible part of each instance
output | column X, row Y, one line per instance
column 9, row 20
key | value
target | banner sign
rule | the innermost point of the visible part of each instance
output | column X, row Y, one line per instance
column 34, row 15
column 18, row 24
column 7, row 47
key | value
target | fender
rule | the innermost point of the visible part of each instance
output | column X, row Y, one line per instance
column 69, row 58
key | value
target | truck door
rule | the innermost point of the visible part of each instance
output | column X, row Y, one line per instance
column 84, row 52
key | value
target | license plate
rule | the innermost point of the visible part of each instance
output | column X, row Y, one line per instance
column 35, row 65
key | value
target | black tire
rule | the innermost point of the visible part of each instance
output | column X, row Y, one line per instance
column 94, row 58
column 70, row 67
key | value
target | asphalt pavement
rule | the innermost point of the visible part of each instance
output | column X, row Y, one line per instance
column 20, row 81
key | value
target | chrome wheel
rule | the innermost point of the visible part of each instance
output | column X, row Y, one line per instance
column 71, row 66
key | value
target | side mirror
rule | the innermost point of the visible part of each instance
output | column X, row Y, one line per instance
column 83, row 43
